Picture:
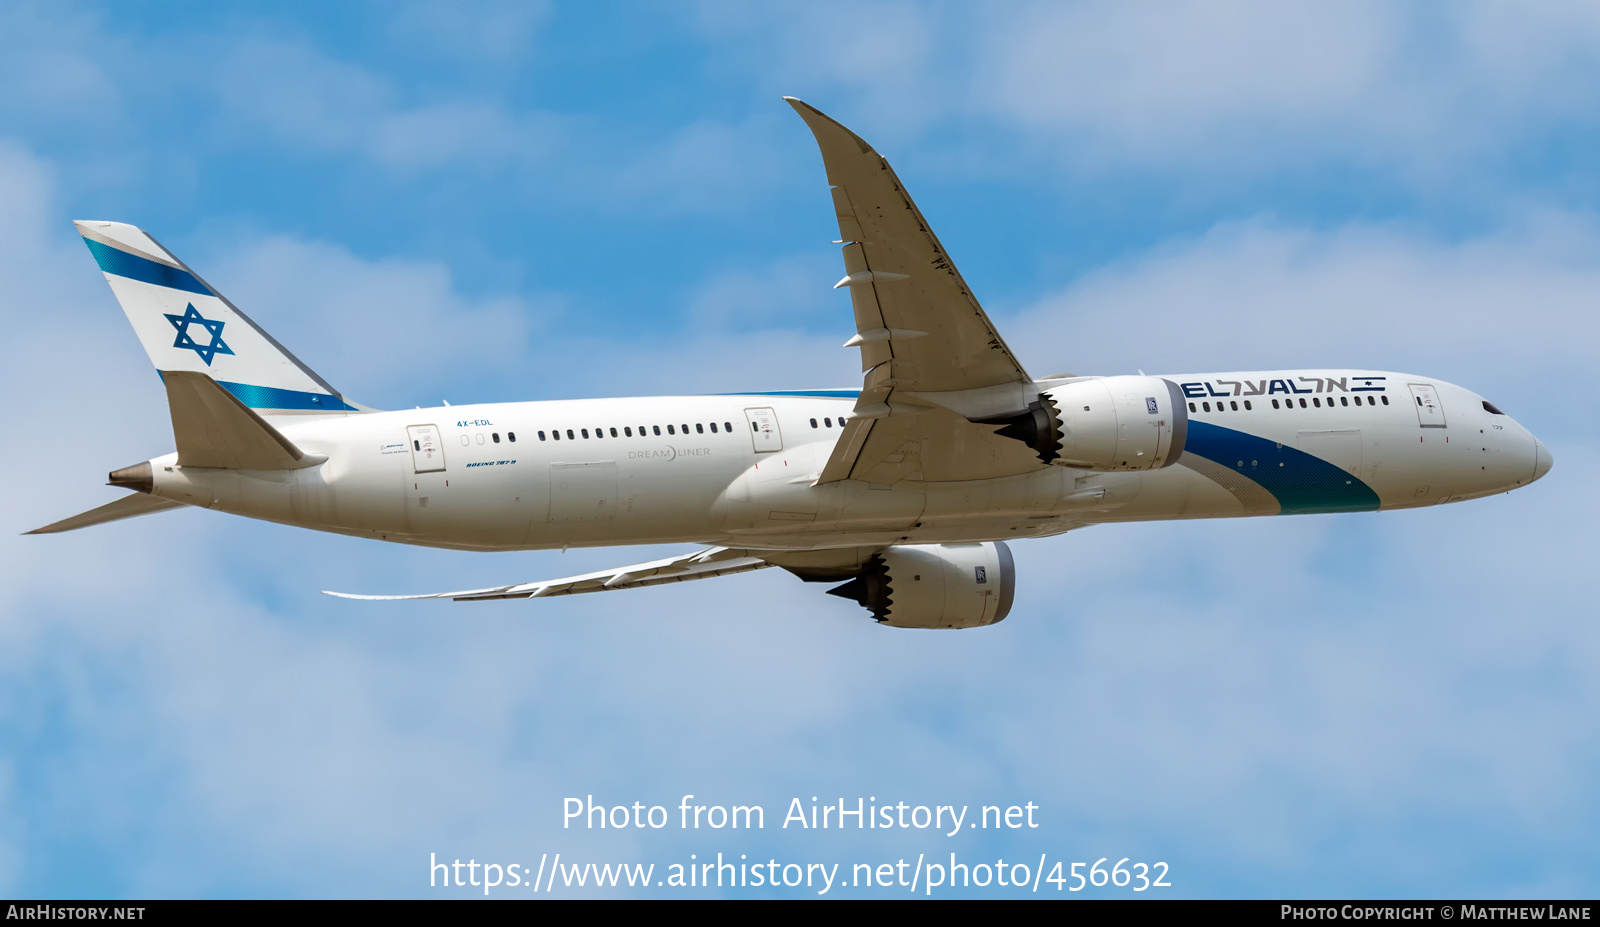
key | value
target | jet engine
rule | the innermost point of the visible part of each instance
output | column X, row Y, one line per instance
column 1104, row 423
column 936, row 585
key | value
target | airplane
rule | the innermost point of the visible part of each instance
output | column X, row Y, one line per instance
column 904, row 491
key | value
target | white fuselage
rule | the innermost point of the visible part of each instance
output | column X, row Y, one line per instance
column 739, row 470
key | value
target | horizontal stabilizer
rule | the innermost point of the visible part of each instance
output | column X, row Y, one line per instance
column 214, row 429
column 126, row 507
column 702, row 564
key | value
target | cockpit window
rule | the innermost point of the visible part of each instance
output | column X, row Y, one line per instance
column 1489, row 408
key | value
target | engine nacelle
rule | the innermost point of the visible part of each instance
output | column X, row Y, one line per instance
column 1119, row 423
column 936, row 585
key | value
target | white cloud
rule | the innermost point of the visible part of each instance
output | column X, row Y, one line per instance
column 1153, row 74
column 1176, row 81
column 52, row 60
column 295, row 96
column 1505, row 313
column 379, row 330
column 1245, row 88
column 893, row 56
column 472, row 33
column 787, row 293
column 313, row 102
column 706, row 167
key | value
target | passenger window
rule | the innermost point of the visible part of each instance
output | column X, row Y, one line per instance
column 480, row 437
column 1302, row 403
column 699, row 429
column 754, row 427
column 1234, row 406
column 511, row 436
column 466, row 440
column 541, row 436
column 828, row 422
column 628, row 431
column 686, row 429
column 713, row 427
column 670, row 431
column 1247, row 405
column 586, row 434
column 613, row 432
column 1386, row 400
column 728, row 427
column 1274, row 403
column 813, row 423
column 496, row 437
column 658, row 429
column 416, row 445
column 1206, row 406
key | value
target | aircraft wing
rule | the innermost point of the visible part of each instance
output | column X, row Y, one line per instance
column 919, row 328
column 703, row 564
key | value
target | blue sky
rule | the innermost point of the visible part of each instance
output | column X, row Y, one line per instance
column 477, row 202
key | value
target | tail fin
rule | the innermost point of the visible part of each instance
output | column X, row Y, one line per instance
column 214, row 429
column 185, row 325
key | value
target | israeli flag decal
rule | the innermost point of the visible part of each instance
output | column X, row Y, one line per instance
column 213, row 329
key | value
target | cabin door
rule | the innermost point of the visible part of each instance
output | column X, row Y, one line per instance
column 1430, row 414
column 427, row 450
column 764, row 430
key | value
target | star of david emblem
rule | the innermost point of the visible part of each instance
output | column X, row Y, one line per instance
column 185, row 340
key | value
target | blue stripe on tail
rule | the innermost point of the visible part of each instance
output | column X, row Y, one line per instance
column 134, row 267
column 270, row 397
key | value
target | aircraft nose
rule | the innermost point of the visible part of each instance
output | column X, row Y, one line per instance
column 1542, row 460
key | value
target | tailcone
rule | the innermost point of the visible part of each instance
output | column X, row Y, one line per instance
column 138, row 477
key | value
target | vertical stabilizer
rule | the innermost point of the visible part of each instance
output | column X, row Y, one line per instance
column 185, row 325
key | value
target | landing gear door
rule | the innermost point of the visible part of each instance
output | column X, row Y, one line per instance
column 1430, row 413
column 427, row 451
column 764, row 429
